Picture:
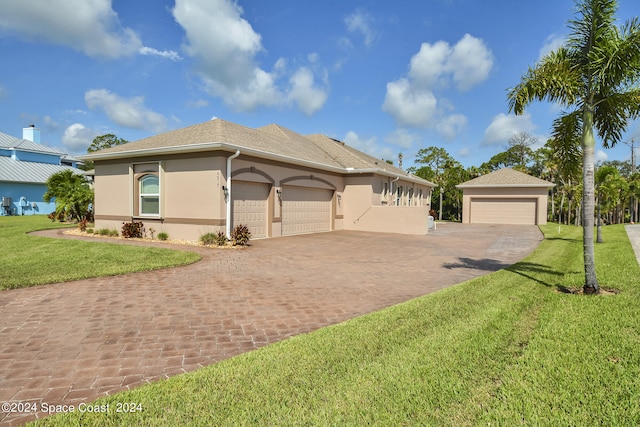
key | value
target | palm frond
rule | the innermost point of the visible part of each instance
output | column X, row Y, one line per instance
column 553, row 79
column 612, row 114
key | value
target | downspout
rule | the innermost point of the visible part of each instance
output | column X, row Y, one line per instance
column 228, row 193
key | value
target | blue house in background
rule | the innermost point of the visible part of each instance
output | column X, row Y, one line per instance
column 25, row 166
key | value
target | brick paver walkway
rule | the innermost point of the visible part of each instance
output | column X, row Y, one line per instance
column 74, row 342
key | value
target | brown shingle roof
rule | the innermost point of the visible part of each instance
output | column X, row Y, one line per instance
column 506, row 177
column 271, row 140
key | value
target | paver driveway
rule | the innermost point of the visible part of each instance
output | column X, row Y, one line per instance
column 73, row 342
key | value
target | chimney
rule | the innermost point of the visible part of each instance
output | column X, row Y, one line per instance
column 31, row 133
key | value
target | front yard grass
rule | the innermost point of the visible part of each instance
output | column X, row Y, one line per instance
column 506, row 349
column 31, row 260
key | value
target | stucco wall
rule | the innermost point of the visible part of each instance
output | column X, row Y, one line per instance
column 193, row 200
column 403, row 220
column 540, row 194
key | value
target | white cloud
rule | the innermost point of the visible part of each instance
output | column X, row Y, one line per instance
column 409, row 105
column 127, row 112
column 470, row 62
column 467, row 63
column 401, row 138
column 552, row 43
column 601, row 156
column 450, row 126
column 169, row 54
column 88, row 26
column 305, row 93
column 504, row 126
column 412, row 101
column 198, row 103
column 225, row 54
column 77, row 137
column 361, row 22
column 369, row 146
column 463, row 152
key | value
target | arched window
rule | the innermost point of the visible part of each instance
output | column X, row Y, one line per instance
column 149, row 195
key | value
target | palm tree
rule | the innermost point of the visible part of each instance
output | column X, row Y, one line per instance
column 72, row 195
column 595, row 74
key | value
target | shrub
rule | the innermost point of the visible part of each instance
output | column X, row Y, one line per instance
column 104, row 232
column 208, row 239
column 82, row 225
column 132, row 230
column 113, row 233
column 240, row 235
column 218, row 239
column 221, row 238
column 90, row 231
column 152, row 232
column 163, row 236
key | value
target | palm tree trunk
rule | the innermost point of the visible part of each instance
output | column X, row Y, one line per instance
column 440, row 213
column 588, row 201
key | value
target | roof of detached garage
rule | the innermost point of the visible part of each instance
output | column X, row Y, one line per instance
column 506, row 177
column 271, row 142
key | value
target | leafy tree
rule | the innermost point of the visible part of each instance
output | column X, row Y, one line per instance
column 504, row 159
column 105, row 141
column 436, row 161
column 596, row 74
column 100, row 143
column 72, row 193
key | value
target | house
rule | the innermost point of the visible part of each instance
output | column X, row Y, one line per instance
column 25, row 167
column 505, row 196
column 212, row 176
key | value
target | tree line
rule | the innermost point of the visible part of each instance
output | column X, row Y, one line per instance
column 559, row 161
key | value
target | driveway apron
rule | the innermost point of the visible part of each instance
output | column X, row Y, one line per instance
column 74, row 342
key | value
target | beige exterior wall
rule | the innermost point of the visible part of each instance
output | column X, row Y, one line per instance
column 193, row 202
column 372, row 206
column 403, row 220
column 537, row 193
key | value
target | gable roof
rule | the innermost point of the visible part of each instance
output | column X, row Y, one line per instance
column 270, row 142
column 9, row 142
column 506, row 177
column 29, row 172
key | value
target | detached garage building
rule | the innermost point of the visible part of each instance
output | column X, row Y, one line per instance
column 215, row 175
column 505, row 196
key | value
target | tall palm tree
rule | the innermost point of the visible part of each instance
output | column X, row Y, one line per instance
column 595, row 75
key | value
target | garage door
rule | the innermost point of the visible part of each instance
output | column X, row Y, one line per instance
column 503, row 211
column 305, row 210
column 250, row 206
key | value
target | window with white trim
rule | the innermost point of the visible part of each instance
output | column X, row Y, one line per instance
column 150, row 195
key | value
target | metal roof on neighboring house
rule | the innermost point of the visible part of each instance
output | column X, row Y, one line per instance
column 11, row 142
column 271, row 141
column 506, row 177
column 29, row 172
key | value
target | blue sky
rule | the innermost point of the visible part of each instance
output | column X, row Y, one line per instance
column 385, row 77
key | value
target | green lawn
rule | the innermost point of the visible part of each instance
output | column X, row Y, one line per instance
column 31, row 260
column 504, row 349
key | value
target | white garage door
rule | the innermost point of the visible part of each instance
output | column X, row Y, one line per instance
column 503, row 211
column 305, row 210
column 250, row 206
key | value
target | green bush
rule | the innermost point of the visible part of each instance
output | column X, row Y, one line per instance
column 240, row 235
column 113, row 233
column 163, row 236
column 218, row 239
column 90, row 231
column 132, row 230
column 104, row 232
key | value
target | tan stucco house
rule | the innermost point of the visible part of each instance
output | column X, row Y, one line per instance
column 212, row 176
column 505, row 196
